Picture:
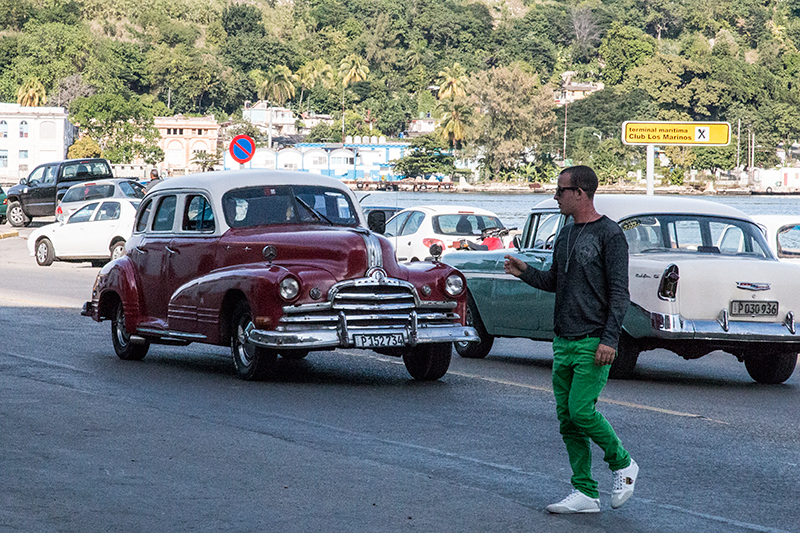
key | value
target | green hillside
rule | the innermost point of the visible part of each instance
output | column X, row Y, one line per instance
column 487, row 68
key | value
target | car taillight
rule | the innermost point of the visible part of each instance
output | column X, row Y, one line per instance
column 59, row 212
column 669, row 283
column 428, row 242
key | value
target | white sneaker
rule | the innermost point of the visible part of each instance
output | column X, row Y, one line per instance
column 624, row 483
column 577, row 502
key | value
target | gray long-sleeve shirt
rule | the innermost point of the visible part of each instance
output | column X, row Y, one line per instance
column 589, row 275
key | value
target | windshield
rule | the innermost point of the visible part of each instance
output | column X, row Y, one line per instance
column 288, row 204
column 90, row 191
column 85, row 170
column 695, row 234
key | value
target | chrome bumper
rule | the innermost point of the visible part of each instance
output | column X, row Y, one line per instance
column 664, row 326
column 341, row 337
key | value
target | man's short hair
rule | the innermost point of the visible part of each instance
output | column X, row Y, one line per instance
column 583, row 177
column 154, row 173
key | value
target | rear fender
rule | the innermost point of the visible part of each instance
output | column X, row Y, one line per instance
column 215, row 294
column 116, row 282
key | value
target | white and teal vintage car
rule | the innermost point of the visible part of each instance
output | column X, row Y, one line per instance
column 702, row 278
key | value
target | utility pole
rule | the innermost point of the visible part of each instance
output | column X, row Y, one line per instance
column 566, row 105
column 738, row 140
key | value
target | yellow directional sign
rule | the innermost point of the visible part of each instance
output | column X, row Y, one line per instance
column 677, row 133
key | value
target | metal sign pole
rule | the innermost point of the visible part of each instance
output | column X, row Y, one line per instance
column 651, row 161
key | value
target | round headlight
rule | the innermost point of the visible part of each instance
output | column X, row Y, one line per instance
column 289, row 288
column 454, row 285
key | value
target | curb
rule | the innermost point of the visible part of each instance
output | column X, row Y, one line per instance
column 6, row 234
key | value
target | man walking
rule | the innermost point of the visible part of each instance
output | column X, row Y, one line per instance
column 589, row 276
column 154, row 180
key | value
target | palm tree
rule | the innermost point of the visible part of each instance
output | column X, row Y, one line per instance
column 457, row 117
column 352, row 69
column 31, row 93
column 452, row 81
column 276, row 86
column 312, row 73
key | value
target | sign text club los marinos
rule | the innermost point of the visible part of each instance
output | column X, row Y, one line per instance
column 676, row 133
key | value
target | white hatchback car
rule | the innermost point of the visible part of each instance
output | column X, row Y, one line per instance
column 96, row 232
column 77, row 195
column 412, row 231
column 783, row 235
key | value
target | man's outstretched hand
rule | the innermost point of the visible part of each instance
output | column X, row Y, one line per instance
column 514, row 266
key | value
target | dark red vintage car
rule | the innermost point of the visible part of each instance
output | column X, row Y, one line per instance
column 274, row 263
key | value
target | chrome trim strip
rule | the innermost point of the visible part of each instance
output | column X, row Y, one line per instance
column 168, row 334
column 374, row 252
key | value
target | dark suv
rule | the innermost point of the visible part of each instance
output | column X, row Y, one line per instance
column 39, row 193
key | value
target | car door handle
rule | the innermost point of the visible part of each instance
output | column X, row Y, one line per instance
column 170, row 250
column 137, row 249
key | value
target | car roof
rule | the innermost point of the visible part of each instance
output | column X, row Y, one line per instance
column 218, row 183
column 619, row 206
column 451, row 210
column 104, row 181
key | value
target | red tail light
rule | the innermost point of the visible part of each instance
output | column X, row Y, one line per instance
column 59, row 212
column 428, row 242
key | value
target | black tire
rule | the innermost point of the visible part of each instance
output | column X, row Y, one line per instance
column 252, row 362
column 428, row 362
column 771, row 368
column 98, row 263
column 117, row 250
column 45, row 255
column 627, row 356
column 475, row 350
column 16, row 216
column 294, row 354
column 122, row 339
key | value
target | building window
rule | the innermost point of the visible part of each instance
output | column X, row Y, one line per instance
column 47, row 130
column 23, row 154
column 319, row 161
column 180, row 131
column 23, row 130
column 3, row 158
column 23, row 168
column 200, row 132
column 3, row 129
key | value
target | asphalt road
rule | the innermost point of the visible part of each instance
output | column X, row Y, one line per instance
column 347, row 441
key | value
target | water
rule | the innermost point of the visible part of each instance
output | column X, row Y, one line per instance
column 513, row 208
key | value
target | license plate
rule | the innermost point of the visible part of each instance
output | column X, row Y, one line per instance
column 745, row 308
column 378, row 340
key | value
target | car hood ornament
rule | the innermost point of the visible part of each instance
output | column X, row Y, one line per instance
column 752, row 286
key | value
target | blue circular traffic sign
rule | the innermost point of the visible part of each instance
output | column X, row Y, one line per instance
column 242, row 148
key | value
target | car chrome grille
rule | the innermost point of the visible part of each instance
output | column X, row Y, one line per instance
column 366, row 303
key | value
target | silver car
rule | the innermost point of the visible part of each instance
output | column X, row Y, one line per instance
column 79, row 194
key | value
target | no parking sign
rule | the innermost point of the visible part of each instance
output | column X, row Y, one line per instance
column 242, row 148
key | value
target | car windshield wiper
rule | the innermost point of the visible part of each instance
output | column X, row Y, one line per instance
column 313, row 211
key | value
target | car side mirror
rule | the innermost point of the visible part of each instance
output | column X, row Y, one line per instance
column 23, row 181
column 376, row 221
column 517, row 240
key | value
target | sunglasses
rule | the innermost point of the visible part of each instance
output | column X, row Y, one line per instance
column 560, row 190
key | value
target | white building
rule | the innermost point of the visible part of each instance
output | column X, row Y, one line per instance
column 283, row 119
column 358, row 158
column 30, row 136
column 182, row 137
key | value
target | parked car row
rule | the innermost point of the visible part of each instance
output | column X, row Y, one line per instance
column 279, row 263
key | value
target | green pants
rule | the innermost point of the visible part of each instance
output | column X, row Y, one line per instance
column 577, row 383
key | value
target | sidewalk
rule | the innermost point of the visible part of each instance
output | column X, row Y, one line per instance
column 5, row 233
